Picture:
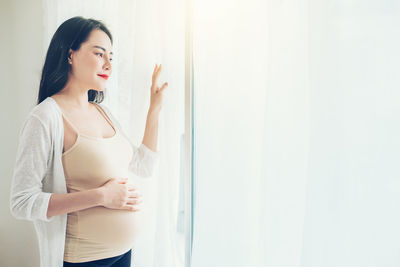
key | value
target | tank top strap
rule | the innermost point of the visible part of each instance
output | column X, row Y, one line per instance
column 102, row 113
column 105, row 115
column 70, row 123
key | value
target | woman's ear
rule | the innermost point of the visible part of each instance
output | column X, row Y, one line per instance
column 70, row 55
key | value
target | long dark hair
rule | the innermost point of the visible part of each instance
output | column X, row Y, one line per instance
column 69, row 35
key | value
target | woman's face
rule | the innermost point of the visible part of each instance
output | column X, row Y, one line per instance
column 91, row 60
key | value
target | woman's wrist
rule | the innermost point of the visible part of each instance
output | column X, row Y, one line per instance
column 98, row 195
column 153, row 112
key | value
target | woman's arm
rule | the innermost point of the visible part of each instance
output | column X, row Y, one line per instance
column 114, row 194
column 156, row 98
column 28, row 201
column 66, row 203
column 151, row 131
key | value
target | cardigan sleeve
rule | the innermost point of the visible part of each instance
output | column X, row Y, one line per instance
column 144, row 160
column 27, row 199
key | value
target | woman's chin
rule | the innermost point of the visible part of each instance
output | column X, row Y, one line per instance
column 98, row 88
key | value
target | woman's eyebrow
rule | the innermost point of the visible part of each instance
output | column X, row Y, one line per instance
column 102, row 48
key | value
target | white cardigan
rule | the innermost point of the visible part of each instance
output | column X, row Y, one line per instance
column 38, row 172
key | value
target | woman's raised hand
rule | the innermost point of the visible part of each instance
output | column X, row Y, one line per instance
column 156, row 91
column 119, row 194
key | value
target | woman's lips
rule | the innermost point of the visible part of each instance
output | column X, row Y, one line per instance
column 103, row 76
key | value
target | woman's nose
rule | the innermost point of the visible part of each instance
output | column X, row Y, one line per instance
column 107, row 64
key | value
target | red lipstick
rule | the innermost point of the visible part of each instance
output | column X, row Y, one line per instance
column 103, row 76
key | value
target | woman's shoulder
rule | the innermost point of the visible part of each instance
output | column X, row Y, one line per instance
column 46, row 111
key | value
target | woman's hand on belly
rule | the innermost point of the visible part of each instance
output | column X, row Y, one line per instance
column 119, row 194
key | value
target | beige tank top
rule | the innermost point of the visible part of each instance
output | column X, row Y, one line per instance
column 98, row 232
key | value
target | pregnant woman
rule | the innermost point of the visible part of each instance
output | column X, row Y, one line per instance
column 71, row 175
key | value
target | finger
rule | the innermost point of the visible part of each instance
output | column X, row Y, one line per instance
column 132, row 187
column 135, row 195
column 155, row 70
column 133, row 207
column 135, row 201
column 156, row 75
column 134, row 198
column 123, row 181
column 159, row 69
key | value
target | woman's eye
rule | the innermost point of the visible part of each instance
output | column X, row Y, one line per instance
column 101, row 55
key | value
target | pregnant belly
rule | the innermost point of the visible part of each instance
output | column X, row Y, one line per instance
column 103, row 226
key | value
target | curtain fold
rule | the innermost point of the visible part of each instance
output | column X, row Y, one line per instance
column 145, row 33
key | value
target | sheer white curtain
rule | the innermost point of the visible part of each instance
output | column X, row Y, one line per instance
column 297, row 133
column 145, row 33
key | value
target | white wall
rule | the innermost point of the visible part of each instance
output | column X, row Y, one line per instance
column 22, row 58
